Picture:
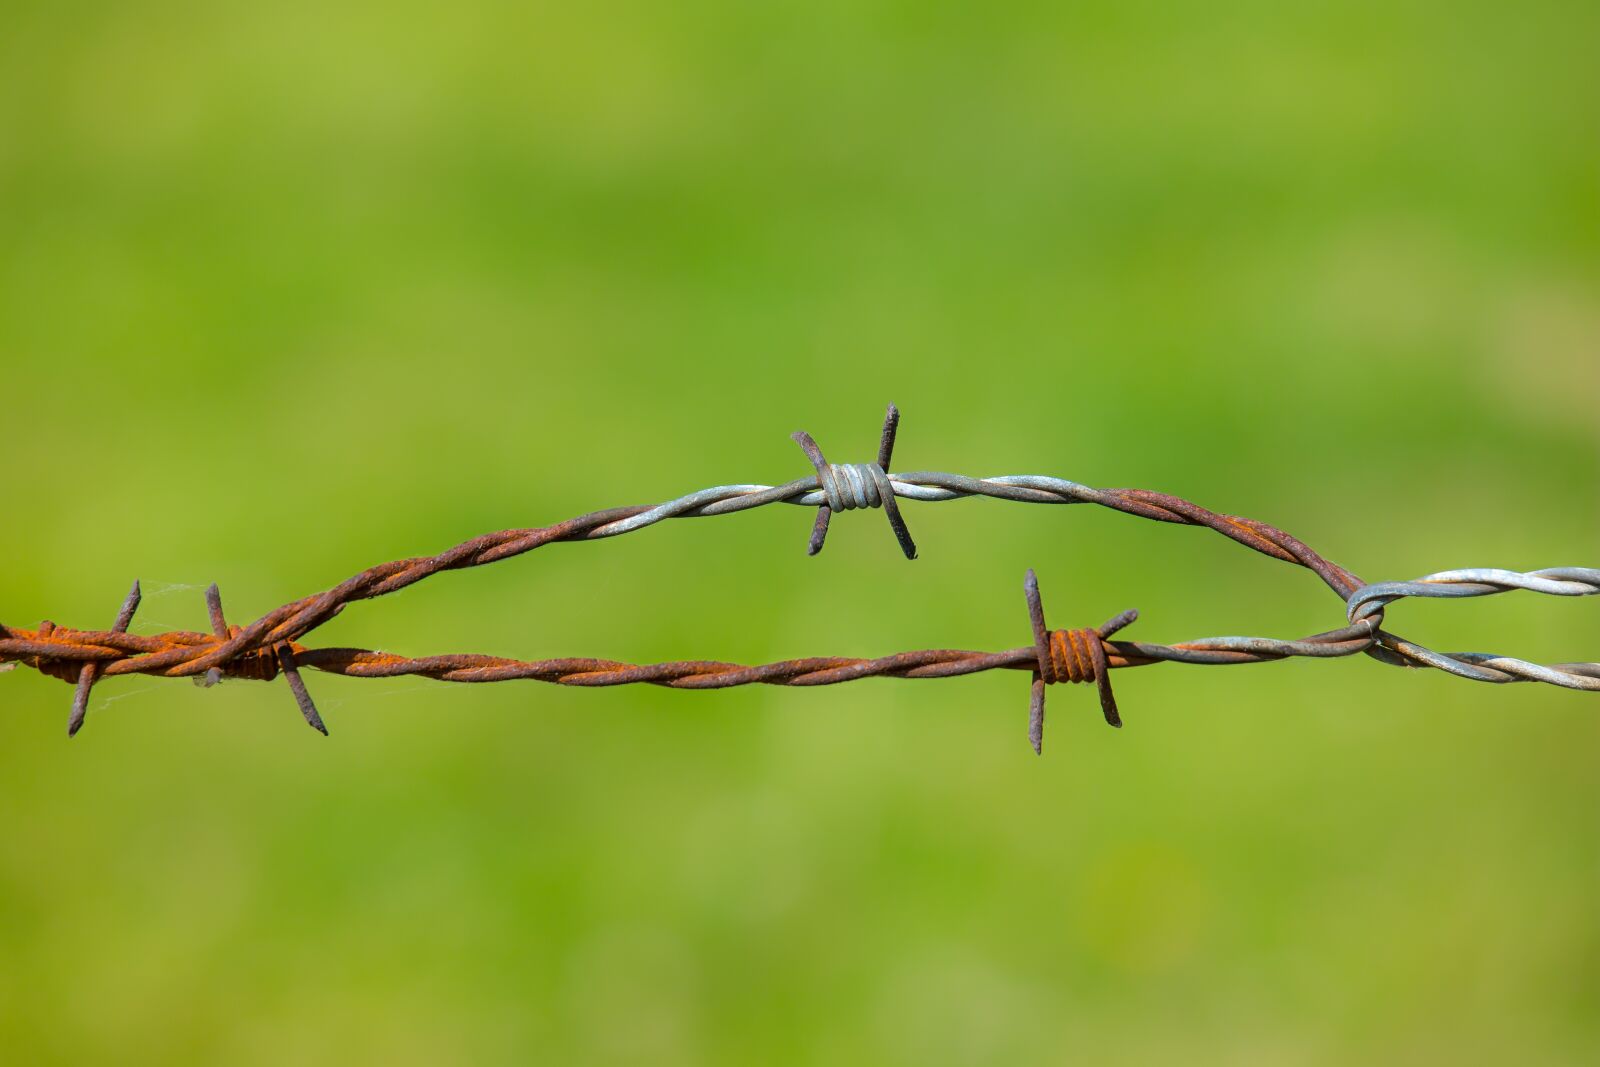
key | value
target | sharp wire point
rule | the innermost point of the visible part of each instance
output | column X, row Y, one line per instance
column 89, row 673
column 219, row 629
column 80, row 700
column 297, row 686
column 891, row 427
column 1036, row 715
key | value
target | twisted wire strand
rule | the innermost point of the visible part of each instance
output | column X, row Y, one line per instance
column 1475, row 581
column 117, row 651
column 270, row 645
column 1369, row 603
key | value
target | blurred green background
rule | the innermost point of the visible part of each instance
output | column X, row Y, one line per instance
column 290, row 289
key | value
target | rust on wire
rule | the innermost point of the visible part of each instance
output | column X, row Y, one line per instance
column 271, row 645
column 91, row 670
column 1069, row 656
column 262, row 664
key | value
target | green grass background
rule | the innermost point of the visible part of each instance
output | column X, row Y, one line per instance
column 290, row 289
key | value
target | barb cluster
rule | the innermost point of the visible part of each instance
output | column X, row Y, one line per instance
column 271, row 646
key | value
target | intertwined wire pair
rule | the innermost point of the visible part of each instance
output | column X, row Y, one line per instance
column 271, row 644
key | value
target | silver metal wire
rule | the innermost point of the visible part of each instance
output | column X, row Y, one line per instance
column 854, row 485
column 1367, row 604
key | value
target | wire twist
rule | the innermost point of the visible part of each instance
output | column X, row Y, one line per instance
column 1367, row 605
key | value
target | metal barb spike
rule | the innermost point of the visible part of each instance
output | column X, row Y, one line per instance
column 219, row 627
column 297, row 686
column 1068, row 656
column 90, row 673
column 857, row 485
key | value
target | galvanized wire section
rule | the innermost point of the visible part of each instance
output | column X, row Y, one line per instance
column 1369, row 602
column 271, row 644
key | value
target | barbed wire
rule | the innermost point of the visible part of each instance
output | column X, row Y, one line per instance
column 270, row 645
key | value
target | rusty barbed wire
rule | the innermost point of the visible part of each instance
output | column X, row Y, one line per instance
column 270, row 645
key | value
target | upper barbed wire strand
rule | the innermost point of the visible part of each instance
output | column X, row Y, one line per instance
column 184, row 654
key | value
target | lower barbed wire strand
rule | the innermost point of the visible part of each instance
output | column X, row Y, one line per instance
column 83, row 646
column 927, row 663
column 711, row 674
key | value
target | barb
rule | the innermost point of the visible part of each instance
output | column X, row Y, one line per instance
column 857, row 485
column 91, row 671
column 1069, row 656
column 270, row 646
